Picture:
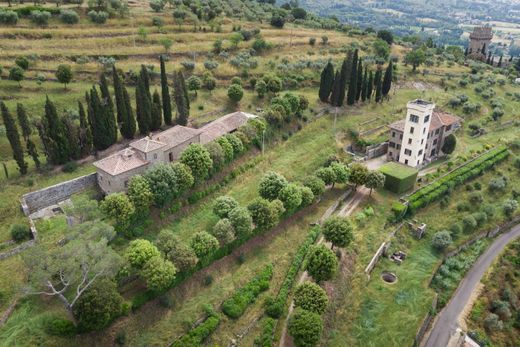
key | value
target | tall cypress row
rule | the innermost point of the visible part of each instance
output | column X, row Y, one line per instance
column 181, row 99
column 378, row 85
column 387, row 80
column 370, row 85
column 335, row 97
column 343, row 80
column 102, row 121
column 53, row 135
column 130, row 125
column 73, row 137
column 352, row 86
column 326, row 82
column 364, row 86
column 14, row 138
column 359, row 79
column 143, row 102
column 165, row 92
column 85, row 134
column 108, row 109
column 156, row 111
column 120, row 104
column 26, row 133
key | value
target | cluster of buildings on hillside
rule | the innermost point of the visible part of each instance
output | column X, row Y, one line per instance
column 114, row 171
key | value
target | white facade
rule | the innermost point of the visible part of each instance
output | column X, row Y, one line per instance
column 415, row 135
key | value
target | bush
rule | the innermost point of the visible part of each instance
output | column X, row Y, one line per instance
column 40, row 17
column 223, row 205
column 98, row 306
column 291, row 197
column 197, row 335
column 139, row 252
column 338, row 231
column 509, row 207
column 241, row 221
column 235, row 92
column 60, row 327
column 322, row 263
column 20, row 232
column 22, row 62
column 204, row 244
column 69, row 16
column 305, row 327
column 476, row 198
column 224, row 231
column 8, row 17
column 469, row 224
column 492, row 323
column 235, row 306
column 70, row 166
column 158, row 273
column 311, row 297
column 497, row 184
column 267, row 335
column 271, row 184
column 441, row 240
column 98, row 17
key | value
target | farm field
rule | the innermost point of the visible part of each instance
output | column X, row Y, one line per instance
column 296, row 135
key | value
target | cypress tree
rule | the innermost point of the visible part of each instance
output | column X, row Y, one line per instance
column 370, row 85
column 326, row 82
column 335, row 97
column 352, row 86
column 343, row 80
column 72, row 132
column 359, row 79
column 85, row 134
column 364, row 86
column 102, row 121
column 130, row 126
column 466, row 52
column 156, row 111
column 26, row 133
column 165, row 92
column 14, row 138
column 118, row 92
column 181, row 99
column 387, row 80
column 143, row 102
column 53, row 135
column 378, row 85
column 108, row 110
column 500, row 61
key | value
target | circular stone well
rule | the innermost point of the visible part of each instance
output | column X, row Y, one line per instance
column 389, row 277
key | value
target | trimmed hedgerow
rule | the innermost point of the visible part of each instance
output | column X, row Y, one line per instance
column 442, row 186
column 275, row 306
column 236, row 305
column 267, row 335
column 197, row 335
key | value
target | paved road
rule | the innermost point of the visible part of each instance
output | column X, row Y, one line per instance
column 446, row 322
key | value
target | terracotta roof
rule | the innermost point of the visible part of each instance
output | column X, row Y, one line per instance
column 147, row 144
column 176, row 135
column 120, row 162
column 224, row 125
column 167, row 139
column 439, row 119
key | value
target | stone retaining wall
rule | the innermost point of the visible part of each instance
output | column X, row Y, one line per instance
column 34, row 201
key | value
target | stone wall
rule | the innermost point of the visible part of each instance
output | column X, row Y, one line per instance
column 34, row 201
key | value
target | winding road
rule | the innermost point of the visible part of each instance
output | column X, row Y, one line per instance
column 446, row 322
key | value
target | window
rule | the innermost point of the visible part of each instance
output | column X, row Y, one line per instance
column 414, row 118
column 406, row 161
column 391, row 144
column 155, row 156
column 436, row 131
column 426, row 119
column 420, row 152
column 448, row 128
column 411, row 130
column 401, row 137
column 389, row 154
column 409, row 141
column 393, row 133
column 434, row 142
column 424, row 131
column 170, row 156
column 398, row 146
column 407, row 152
column 422, row 141
column 126, row 184
column 418, row 162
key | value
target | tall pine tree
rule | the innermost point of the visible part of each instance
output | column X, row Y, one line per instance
column 85, row 134
column 181, row 99
column 326, row 82
column 352, row 86
column 14, row 138
column 378, row 85
column 165, row 92
column 143, row 102
column 359, row 79
column 387, row 80
column 23, row 121
column 156, row 111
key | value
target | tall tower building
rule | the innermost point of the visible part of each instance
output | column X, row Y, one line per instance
column 415, row 134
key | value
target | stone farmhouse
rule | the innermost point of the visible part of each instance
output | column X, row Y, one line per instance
column 114, row 171
column 480, row 39
column 418, row 139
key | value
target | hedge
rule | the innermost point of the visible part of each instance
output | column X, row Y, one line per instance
column 267, row 334
column 398, row 177
column 197, row 335
column 236, row 305
column 440, row 187
column 275, row 306
column 26, row 11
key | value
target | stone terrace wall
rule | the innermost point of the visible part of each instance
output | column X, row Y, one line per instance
column 34, row 201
